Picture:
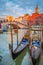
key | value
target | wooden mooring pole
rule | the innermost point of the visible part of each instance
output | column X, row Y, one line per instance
column 11, row 39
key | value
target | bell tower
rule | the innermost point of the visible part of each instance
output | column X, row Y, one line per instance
column 36, row 10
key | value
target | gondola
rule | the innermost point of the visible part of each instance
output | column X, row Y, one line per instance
column 4, row 27
column 20, row 48
column 35, row 51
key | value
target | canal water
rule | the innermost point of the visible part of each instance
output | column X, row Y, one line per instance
column 5, row 56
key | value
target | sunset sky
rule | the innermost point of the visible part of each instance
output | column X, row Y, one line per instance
column 19, row 7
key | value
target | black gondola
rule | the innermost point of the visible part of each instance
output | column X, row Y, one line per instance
column 23, row 44
column 35, row 51
column 20, row 48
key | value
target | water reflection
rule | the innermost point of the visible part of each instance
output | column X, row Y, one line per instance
column 20, row 58
column 23, row 59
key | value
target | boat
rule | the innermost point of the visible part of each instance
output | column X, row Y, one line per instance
column 4, row 27
column 35, row 51
column 20, row 48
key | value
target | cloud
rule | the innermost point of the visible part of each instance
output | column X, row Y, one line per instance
column 15, row 10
